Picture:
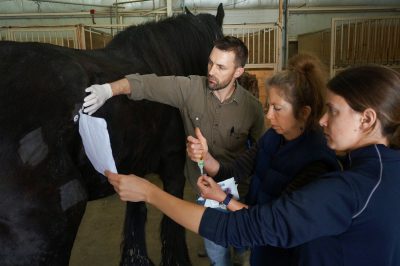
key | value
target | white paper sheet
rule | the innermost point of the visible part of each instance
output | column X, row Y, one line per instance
column 96, row 141
column 229, row 186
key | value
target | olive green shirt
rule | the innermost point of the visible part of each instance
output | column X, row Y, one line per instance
column 227, row 126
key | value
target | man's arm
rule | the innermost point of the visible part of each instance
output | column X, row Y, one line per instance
column 241, row 167
column 175, row 91
column 169, row 90
column 121, row 86
column 197, row 149
column 99, row 94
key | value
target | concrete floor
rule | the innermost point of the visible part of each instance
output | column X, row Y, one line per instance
column 99, row 235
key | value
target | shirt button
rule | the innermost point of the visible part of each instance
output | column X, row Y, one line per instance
column 214, row 142
column 216, row 125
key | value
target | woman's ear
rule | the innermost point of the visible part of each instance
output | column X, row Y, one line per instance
column 305, row 112
column 368, row 119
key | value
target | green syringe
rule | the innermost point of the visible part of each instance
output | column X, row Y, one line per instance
column 201, row 165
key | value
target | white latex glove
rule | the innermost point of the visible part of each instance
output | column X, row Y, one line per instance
column 99, row 94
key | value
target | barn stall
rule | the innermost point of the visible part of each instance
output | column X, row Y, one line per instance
column 272, row 30
column 354, row 41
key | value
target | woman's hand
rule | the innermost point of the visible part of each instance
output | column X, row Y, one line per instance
column 130, row 187
column 134, row 188
column 209, row 189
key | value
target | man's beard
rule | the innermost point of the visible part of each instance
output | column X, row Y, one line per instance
column 218, row 86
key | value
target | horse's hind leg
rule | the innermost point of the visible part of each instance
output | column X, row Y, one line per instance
column 174, row 249
column 134, row 252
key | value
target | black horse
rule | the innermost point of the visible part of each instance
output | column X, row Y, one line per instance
column 45, row 176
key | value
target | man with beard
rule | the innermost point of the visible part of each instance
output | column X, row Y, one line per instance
column 228, row 116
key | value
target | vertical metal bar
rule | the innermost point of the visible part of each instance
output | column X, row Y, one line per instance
column 355, row 43
column 258, row 46
column 76, row 38
column 380, row 42
column 341, row 40
column 348, row 41
column 333, row 44
column 389, row 41
column 375, row 39
column 91, row 38
column 264, row 44
column 368, row 40
column 62, row 40
column 269, row 47
column 396, row 38
column 248, row 39
column 253, row 45
column 362, row 52
column 57, row 38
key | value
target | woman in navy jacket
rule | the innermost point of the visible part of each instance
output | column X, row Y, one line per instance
column 349, row 217
column 290, row 154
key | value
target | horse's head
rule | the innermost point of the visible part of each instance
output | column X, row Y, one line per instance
column 178, row 45
column 219, row 17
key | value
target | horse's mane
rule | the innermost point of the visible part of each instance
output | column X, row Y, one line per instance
column 169, row 45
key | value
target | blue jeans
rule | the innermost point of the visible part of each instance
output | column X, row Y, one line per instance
column 218, row 255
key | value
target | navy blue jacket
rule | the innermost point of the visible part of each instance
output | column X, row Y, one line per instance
column 346, row 218
column 276, row 163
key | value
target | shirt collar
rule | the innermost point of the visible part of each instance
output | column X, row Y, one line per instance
column 375, row 151
column 237, row 95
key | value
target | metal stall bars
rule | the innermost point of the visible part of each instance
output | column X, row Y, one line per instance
column 98, row 36
column 262, row 42
column 261, row 39
column 67, row 36
column 362, row 40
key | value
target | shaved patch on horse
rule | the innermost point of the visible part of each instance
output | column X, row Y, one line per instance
column 71, row 193
column 32, row 148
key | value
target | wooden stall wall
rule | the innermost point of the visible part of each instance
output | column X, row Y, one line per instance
column 261, row 75
column 316, row 43
column 355, row 41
